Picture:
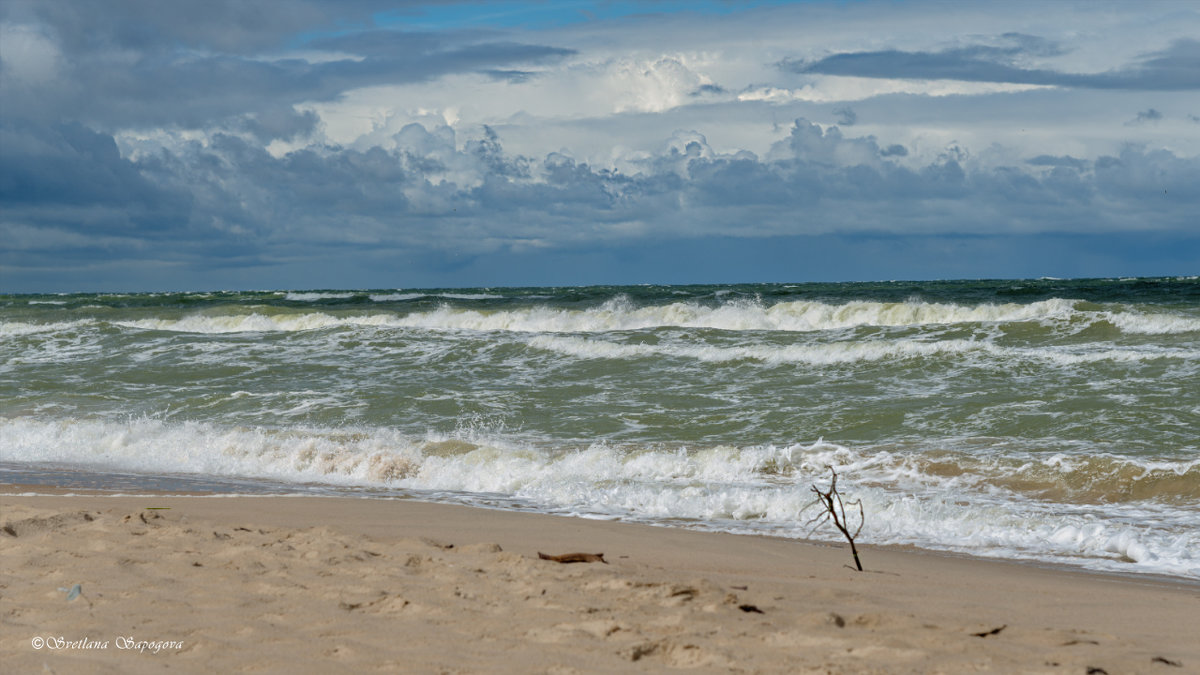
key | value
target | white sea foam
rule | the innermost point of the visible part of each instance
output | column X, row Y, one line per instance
column 848, row 352
column 257, row 323
column 469, row 296
column 747, row 489
column 798, row 316
column 396, row 297
column 818, row 354
column 1153, row 324
column 620, row 315
column 402, row 297
column 312, row 297
column 152, row 446
column 18, row 328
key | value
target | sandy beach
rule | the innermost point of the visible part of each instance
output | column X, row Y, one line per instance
column 281, row 584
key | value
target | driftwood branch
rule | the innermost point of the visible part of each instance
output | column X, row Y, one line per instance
column 574, row 557
column 834, row 510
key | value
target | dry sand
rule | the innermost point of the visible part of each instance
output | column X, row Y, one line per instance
column 321, row 585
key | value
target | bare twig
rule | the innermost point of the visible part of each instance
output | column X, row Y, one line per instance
column 835, row 510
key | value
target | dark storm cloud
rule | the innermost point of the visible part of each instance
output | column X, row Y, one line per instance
column 1067, row 161
column 195, row 65
column 397, row 47
column 240, row 27
column 1176, row 68
column 846, row 116
column 514, row 76
column 279, row 122
column 1148, row 115
column 706, row 89
column 69, row 177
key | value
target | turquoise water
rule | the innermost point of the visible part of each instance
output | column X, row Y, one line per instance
column 1052, row 420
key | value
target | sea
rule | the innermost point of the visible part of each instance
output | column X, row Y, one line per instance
column 1050, row 421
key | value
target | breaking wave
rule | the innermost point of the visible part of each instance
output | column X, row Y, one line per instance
column 848, row 352
column 1102, row 511
column 621, row 315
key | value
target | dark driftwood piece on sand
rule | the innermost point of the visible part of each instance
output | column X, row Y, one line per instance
column 835, row 510
column 574, row 557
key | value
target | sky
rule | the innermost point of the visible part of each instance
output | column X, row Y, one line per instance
column 312, row 144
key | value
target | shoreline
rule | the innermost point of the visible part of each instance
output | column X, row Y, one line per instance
column 401, row 584
column 41, row 490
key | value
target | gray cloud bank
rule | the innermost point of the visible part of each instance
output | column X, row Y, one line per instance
column 68, row 194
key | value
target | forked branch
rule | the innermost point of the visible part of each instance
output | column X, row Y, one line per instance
column 835, row 511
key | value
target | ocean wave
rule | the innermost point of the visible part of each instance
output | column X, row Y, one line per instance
column 851, row 352
column 19, row 328
column 469, row 296
column 149, row 444
column 820, row 354
column 1152, row 324
column 152, row 446
column 257, row 323
column 403, row 297
column 396, row 297
column 952, row 500
column 296, row 296
column 619, row 314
